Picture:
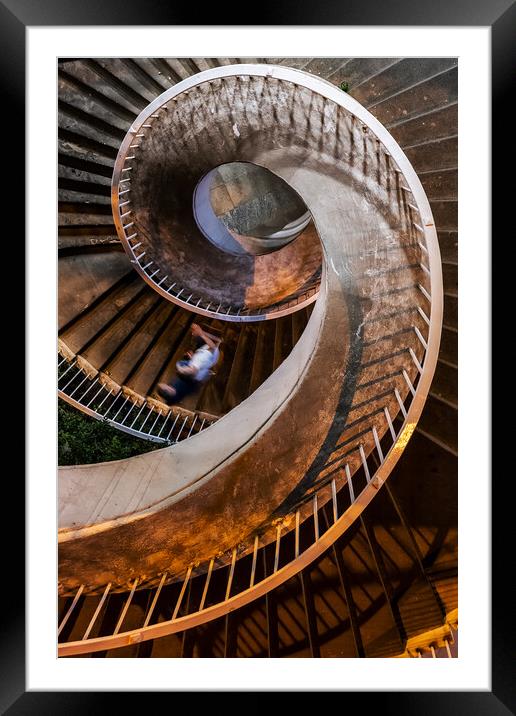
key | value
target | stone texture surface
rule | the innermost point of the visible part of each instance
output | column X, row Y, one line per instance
column 186, row 503
column 240, row 208
column 163, row 181
column 429, row 502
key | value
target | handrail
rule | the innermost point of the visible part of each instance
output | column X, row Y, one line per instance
column 156, row 277
column 423, row 234
column 124, row 409
column 293, row 228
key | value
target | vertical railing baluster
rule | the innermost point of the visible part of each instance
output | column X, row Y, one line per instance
column 334, row 500
column 253, row 566
column 155, row 600
column 231, row 573
column 277, row 550
column 206, row 585
column 389, row 423
column 298, row 521
column 97, row 612
column 378, row 446
column 70, row 610
column 364, row 463
column 350, row 484
column 181, row 593
column 126, row 607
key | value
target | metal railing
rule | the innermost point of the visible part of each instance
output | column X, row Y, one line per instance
column 437, row 644
column 135, row 244
column 342, row 498
column 349, row 495
column 367, row 464
column 136, row 415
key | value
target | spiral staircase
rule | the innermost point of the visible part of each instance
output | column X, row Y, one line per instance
column 275, row 532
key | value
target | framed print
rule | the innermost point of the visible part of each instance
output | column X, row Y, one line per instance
column 260, row 452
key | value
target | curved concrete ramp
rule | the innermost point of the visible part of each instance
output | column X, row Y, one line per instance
column 369, row 344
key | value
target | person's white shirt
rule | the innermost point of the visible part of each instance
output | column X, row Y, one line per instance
column 203, row 359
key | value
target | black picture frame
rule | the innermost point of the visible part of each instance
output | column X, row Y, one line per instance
column 500, row 16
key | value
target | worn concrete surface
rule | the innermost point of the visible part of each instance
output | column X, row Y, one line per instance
column 251, row 200
column 248, row 209
column 163, row 181
column 187, row 503
column 82, row 278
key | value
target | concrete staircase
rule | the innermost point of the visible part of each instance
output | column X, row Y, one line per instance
column 388, row 578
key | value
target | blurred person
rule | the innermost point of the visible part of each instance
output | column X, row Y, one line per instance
column 193, row 371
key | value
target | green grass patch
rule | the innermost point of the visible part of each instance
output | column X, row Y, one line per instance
column 83, row 440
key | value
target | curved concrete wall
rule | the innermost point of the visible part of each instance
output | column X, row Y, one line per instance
column 243, row 209
column 352, row 191
column 182, row 147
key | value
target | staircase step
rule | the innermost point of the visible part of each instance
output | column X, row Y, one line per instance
column 181, row 344
column 182, row 67
column 83, row 95
column 84, row 239
column 444, row 383
column 83, row 181
column 263, row 356
column 84, row 215
column 384, row 362
column 322, row 67
column 429, row 95
column 450, row 279
column 112, row 301
column 73, row 144
column 398, row 76
column 74, row 212
column 158, row 69
column 360, row 69
column 146, row 374
column 76, row 119
column 440, row 420
column 124, row 361
column 391, row 343
column 448, row 347
column 108, row 341
column 237, row 387
column 436, row 124
column 88, row 230
column 375, row 280
column 450, row 311
column 83, row 279
column 446, row 586
column 448, row 245
column 434, row 156
column 392, row 322
column 400, row 298
column 295, row 62
column 445, row 213
column 139, row 69
column 86, row 167
column 96, row 76
column 130, row 82
column 440, row 184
